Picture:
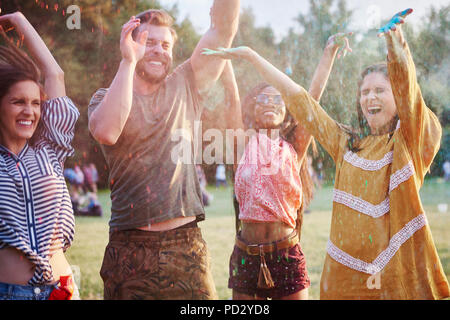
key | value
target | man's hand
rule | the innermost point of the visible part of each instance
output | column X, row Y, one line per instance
column 339, row 41
column 397, row 19
column 131, row 50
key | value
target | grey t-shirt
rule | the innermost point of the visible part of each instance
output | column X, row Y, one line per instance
column 147, row 185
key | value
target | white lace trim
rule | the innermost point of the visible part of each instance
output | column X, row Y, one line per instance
column 368, row 165
column 360, row 205
column 367, row 208
column 401, row 176
column 385, row 256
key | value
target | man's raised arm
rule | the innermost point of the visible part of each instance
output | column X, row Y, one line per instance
column 108, row 119
column 224, row 25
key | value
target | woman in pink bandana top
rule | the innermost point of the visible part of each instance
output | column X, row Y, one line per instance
column 272, row 187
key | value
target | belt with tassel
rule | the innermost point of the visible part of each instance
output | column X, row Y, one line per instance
column 265, row 278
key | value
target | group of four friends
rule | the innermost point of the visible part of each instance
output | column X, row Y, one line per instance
column 156, row 249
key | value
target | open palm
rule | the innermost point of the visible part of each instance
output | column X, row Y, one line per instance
column 132, row 50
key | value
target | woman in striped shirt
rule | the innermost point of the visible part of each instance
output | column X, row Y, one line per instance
column 36, row 130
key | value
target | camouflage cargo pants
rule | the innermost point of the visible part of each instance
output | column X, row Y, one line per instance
column 173, row 265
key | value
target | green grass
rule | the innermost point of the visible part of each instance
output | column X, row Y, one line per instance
column 218, row 230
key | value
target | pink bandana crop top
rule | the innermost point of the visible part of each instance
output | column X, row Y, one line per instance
column 267, row 182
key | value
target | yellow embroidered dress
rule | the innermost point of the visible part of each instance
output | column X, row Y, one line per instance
column 379, row 228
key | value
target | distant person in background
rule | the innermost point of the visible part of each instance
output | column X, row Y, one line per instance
column 74, row 191
column 78, row 185
column 319, row 171
column 221, row 176
column 90, row 185
column 81, row 186
column 311, row 171
column 446, row 168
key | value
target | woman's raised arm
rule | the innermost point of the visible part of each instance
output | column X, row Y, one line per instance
column 52, row 72
column 418, row 124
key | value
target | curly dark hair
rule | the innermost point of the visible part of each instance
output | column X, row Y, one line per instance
column 287, row 130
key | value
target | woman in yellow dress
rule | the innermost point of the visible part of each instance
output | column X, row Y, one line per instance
column 380, row 244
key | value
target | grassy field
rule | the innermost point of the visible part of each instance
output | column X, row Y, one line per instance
column 91, row 237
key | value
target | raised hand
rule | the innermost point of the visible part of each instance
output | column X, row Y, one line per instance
column 242, row 52
column 340, row 40
column 397, row 19
column 131, row 50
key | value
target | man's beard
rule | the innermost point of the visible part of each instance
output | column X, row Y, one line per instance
column 143, row 74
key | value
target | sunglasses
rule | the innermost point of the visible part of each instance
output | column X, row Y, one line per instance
column 265, row 99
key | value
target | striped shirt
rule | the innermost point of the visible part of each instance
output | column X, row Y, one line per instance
column 36, row 215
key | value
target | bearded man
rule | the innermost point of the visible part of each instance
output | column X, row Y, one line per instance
column 156, row 249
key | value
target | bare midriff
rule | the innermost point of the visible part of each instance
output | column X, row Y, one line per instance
column 264, row 232
column 168, row 225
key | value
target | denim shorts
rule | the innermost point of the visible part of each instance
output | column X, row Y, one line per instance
column 20, row 292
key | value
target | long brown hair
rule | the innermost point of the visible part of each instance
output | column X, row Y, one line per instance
column 16, row 66
column 287, row 132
